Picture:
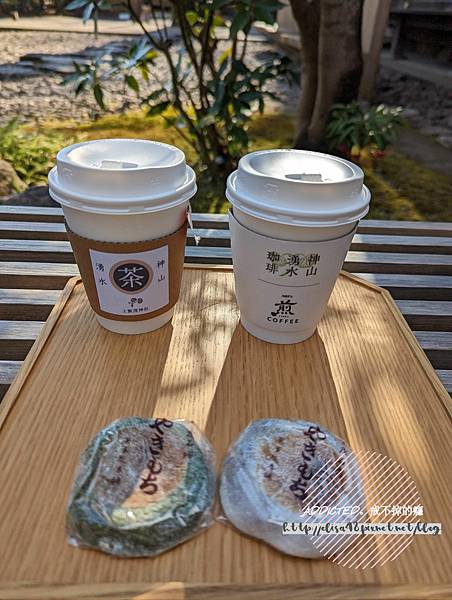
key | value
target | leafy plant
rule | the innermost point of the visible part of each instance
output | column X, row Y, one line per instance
column 206, row 92
column 31, row 154
column 360, row 132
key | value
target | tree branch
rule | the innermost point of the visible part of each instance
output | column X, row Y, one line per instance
column 128, row 5
column 183, row 28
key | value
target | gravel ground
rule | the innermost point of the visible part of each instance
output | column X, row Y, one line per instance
column 42, row 96
column 427, row 106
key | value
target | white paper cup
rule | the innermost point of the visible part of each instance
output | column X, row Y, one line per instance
column 123, row 190
column 294, row 216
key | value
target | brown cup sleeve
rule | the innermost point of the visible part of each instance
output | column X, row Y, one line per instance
column 131, row 281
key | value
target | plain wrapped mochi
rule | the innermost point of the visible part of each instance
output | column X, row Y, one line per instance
column 262, row 485
column 142, row 487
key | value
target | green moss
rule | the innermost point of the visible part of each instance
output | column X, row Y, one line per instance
column 271, row 131
column 417, row 192
column 387, row 203
column 402, row 189
column 133, row 124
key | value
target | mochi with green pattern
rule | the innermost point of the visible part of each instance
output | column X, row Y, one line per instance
column 142, row 487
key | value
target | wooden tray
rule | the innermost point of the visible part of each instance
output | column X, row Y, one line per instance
column 362, row 375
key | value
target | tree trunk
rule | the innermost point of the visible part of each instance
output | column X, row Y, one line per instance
column 307, row 16
column 332, row 73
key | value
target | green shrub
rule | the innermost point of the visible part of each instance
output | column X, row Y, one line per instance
column 32, row 154
column 208, row 90
column 357, row 131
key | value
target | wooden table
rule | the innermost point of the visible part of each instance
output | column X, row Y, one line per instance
column 412, row 260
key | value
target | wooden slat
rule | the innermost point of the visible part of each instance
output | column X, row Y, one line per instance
column 27, row 230
column 216, row 221
column 17, row 337
column 412, row 287
column 368, row 262
column 54, row 276
column 29, row 249
column 388, row 262
column 221, row 237
column 46, row 276
column 409, row 244
column 435, row 340
column 55, row 215
column 210, row 237
column 424, row 315
column 405, row 228
column 438, row 347
column 356, row 262
column 30, row 213
column 367, row 226
column 36, row 250
column 210, row 221
column 28, row 305
column 59, row 251
column 35, row 305
column 8, row 370
column 446, row 378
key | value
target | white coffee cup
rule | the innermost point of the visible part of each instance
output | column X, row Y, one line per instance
column 294, row 216
column 123, row 190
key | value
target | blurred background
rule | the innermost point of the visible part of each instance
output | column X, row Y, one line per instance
column 370, row 80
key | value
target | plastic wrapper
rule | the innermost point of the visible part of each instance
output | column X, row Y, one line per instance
column 142, row 486
column 265, row 483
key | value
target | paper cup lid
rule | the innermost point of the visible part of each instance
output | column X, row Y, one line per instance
column 297, row 187
column 121, row 176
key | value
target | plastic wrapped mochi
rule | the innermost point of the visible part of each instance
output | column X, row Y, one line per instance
column 268, row 481
column 142, row 487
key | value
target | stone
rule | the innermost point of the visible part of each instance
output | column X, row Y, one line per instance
column 446, row 141
column 35, row 195
column 409, row 113
column 435, row 130
column 10, row 182
column 142, row 487
column 265, row 481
